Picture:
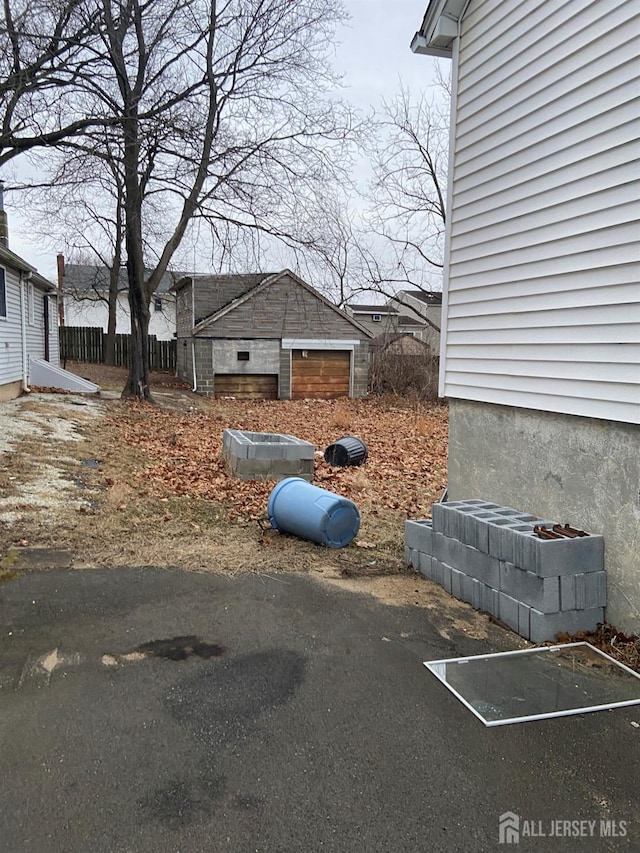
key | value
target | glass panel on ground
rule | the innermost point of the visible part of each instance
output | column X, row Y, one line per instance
column 536, row 684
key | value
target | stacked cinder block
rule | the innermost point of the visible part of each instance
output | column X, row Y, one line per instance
column 267, row 456
column 489, row 556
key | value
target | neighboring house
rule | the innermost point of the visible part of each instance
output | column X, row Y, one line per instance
column 420, row 312
column 540, row 355
column 85, row 294
column 378, row 319
column 267, row 335
column 28, row 318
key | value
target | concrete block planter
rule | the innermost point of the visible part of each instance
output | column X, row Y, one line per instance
column 267, row 456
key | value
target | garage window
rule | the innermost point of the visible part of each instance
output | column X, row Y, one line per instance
column 243, row 355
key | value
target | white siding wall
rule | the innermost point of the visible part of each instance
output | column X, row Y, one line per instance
column 10, row 333
column 544, row 265
column 95, row 312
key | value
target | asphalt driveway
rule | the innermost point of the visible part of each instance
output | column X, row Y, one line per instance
column 291, row 716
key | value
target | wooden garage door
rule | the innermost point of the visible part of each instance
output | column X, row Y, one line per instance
column 319, row 373
column 246, row 386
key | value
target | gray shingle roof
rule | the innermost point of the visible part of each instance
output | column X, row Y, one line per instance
column 85, row 277
column 430, row 297
column 365, row 308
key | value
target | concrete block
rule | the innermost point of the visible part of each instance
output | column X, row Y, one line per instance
column 529, row 588
column 407, row 556
column 437, row 571
column 545, row 626
column 445, row 519
column 472, row 591
column 253, row 469
column 424, row 565
column 418, row 534
column 299, row 449
column 501, row 541
column 583, row 591
column 266, row 451
column 467, row 559
column 446, row 576
column 490, row 600
column 481, row 534
column 558, row 557
column 508, row 611
column 456, row 583
column 524, row 619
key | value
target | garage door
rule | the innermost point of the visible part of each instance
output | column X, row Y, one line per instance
column 246, row 386
column 319, row 373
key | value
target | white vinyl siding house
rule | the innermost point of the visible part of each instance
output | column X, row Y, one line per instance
column 540, row 349
column 23, row 335
column 542, row 307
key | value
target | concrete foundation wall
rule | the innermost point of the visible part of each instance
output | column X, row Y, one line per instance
column 579, row 470
column 264, row 356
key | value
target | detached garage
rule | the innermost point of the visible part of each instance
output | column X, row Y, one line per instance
column 267, row 336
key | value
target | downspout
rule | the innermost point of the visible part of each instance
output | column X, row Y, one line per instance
column 193, row 364
column 46, row 328
column 23, row 330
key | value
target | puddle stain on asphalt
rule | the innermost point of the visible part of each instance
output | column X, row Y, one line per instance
column 174, row 648
column 220, row 706
column 182, row 802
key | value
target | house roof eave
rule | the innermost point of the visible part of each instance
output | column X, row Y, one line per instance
column 439, row 28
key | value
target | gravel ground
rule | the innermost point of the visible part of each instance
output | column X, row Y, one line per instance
column 34, row 469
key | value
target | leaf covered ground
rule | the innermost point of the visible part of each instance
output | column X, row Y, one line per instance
column 405, row 471
column 149, row 487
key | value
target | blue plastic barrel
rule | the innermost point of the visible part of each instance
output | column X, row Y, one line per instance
column 295, row 506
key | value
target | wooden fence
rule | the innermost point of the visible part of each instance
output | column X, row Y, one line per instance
column 86, row 343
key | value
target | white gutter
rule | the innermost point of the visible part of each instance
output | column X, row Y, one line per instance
column 193, row 364
column 23, row 331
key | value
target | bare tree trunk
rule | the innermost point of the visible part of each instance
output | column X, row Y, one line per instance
column 110, row 341
column 138, row 378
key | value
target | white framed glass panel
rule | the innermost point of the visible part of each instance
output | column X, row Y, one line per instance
column 539, row 683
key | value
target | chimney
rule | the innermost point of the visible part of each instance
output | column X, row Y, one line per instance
column 4, row 224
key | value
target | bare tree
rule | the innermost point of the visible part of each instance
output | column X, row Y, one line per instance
column 78, row 204
column 221, row 113
column 407, row 193
column 390, row 239
column 47, row 49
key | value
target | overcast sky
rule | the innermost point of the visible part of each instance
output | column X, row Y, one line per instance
column 373, row 54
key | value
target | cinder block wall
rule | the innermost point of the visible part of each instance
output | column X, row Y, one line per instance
column 284, row 384
column 581, row 470
column 361, row 369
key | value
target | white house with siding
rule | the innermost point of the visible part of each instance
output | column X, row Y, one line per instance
column 28, row 319
column 85, row 293
column 540, row 344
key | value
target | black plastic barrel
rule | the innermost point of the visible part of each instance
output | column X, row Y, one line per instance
column 347, row 450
